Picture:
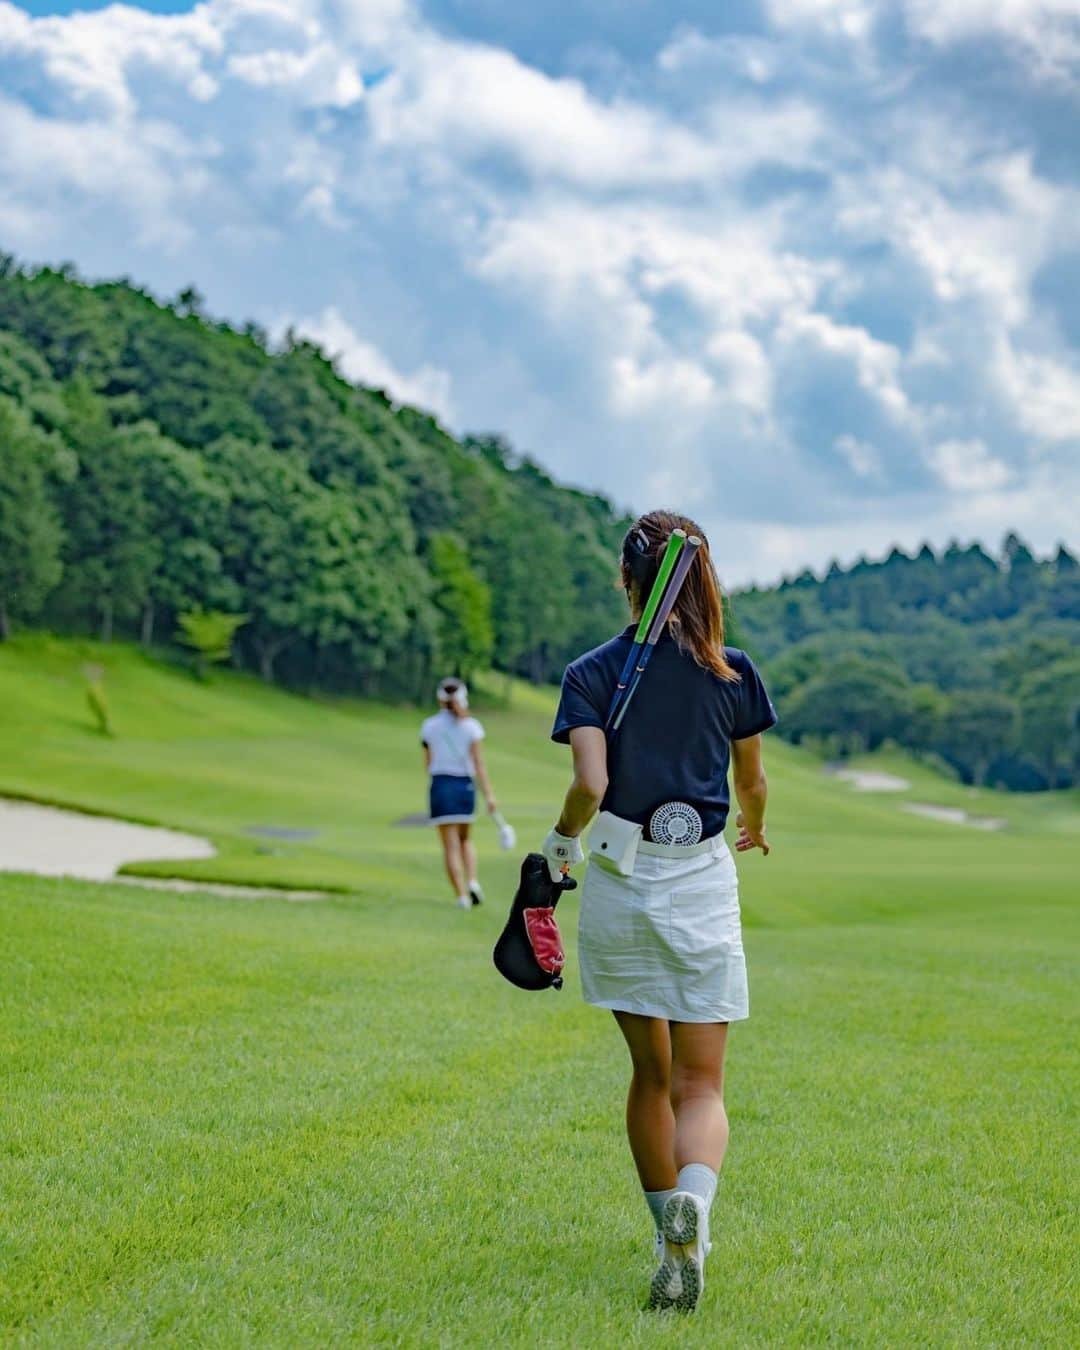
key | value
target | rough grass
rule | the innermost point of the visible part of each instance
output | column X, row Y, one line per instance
column 232, row 1122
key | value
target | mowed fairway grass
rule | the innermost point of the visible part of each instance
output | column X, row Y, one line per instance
column 237, row 1122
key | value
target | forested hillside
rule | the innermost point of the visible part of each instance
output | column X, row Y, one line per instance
column 167, row 477
column 966, row 656
column 156, row 464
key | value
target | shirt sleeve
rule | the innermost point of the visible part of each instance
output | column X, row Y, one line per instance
column 577, row 707
column 476, row 731
column 754, row 712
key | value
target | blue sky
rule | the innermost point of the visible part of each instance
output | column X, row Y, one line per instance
column 807, row 268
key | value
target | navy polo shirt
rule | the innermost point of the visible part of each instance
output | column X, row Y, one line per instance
column 675, row 741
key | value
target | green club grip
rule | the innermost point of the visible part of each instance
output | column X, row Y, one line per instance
column 667, row 563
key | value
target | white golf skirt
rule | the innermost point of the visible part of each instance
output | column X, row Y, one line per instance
column 667, row 941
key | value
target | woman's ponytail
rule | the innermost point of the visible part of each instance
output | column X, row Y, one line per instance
column 697, row 621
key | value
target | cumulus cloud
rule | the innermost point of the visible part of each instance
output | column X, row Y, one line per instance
column 1044, row 392
column 846, row 18
column 1045, row 32
column 318, row 76
column 801, row 271
column 876, row 364
column 88, row 56
column 64, row 167
column 360, row 360
column 861, row 456
column 475, row 100
column 967, row 466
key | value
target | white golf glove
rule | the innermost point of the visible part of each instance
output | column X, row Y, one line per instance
column 561, row 852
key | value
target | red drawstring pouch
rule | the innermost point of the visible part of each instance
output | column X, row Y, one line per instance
column 545, row 939
column 529, row 952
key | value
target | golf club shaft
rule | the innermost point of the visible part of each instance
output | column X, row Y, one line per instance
column 674, row 547
column 667, row 602
column 663, row 613
column 675, row 543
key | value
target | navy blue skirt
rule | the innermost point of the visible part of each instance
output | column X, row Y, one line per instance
column 452, row 800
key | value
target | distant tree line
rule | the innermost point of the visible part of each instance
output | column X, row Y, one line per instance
column 169, row 478
column 158, row 467
column 967, row 657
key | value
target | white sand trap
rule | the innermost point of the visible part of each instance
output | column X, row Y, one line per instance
column 869, row 780
column 55, row 843
column 223, row 888
column 954, row 815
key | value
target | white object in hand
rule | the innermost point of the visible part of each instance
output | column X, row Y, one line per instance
column 507, row 833
column 561, row 852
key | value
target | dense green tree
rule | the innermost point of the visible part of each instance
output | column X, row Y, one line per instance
column 1049, row 698
column 31, row 536
column 466, row 636
column 1023, row 583
column 976, row 727
column 111, row 551
column 186, row 510
column 856, row 707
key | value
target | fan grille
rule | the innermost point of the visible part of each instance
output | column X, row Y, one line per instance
column 675, row 823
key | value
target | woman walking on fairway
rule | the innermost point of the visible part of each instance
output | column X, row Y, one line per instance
column 451, row 741
column 660, row 942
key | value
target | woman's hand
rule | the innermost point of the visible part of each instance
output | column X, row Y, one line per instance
column 749, row 838
column 492, row 804
column 561, row 853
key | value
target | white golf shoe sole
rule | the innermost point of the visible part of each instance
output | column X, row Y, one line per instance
column 680, row 1276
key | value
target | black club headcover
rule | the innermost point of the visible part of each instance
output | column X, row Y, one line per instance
column 529, row 952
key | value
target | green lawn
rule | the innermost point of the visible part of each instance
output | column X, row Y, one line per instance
column 234, row 1122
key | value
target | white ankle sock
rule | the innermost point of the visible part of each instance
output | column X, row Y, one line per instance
column 656, row 1200
column 699, row 1180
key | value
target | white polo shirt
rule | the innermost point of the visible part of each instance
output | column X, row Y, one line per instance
column 450, row 740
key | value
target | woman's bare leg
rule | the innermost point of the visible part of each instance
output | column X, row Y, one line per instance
column 455, row 864
column 650, row 1122
column 468, row 852
column 697, row 1092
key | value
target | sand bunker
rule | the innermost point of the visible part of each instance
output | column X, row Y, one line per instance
column 222, row 888
column 55, row 843
column 868, row 780
column 953, row 815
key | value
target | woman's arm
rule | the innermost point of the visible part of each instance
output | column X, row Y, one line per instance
column 752, row 791
column 482, row 777
column 562, row 847
column 586, row 792
column 427, row 757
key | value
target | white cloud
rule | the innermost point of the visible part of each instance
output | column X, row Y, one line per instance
column 861, row 457
column 744, row 368
column 751, row 58
column 668, row 383
column 472, row 100
column 1044, row 393
column 372, row 24
column 842, row 18
column 62, row 170
column 1046, row 31
column 320, row 76
column 985, row 246
column 968, row 466
column 90, row 55
column 876, row 363
column 426, row 387
column 735, row 272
